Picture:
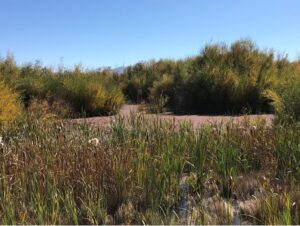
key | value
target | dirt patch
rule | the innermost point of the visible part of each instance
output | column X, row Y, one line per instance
column 196, row 120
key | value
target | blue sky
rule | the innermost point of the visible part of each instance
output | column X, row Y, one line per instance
column 114, row 33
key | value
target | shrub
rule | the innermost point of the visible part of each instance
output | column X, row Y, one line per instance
column 10, row 107
column 220, row 80
column 290, row 110
column 9, row 71
column 91, row 96
column 160, row 94
column 43, row 109
column 114, row 100
column 79, row 91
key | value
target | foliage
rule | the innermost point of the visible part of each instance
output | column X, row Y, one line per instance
column 290, row 110
column 134, row 171
column 10, row 106
column 89, row 92
column 219, row 80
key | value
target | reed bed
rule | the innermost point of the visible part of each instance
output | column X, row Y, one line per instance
column 53, row 172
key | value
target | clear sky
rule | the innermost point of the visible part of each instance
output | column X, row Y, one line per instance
column 114, row 33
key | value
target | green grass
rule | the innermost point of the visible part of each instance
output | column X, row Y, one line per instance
column 51, row 174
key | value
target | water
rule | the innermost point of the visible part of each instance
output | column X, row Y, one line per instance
column 236, row 219
column 183, row 201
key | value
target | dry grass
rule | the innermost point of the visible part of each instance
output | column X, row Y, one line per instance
column 53, row 172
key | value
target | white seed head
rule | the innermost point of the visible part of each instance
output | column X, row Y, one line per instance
column 1, row 142
column 94, row 141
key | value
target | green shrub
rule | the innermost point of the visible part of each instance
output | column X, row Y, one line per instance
column 160, row 92
column 89, row 95
column 82, row 92
column 220, row 80
column 290, row 110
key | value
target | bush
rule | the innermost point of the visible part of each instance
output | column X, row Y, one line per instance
column 91, row 96
column 10, row 107
column 81, row 92
column 290, row 109
column 42, row 109
column 160, row 94
column 114, row 100
column 220, row 80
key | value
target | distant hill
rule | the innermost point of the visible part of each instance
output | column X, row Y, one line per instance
column 119, row 70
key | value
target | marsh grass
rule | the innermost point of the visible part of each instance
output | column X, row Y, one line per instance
column 51, row 173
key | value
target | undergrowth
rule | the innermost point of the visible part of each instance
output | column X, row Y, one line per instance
column 54, row 172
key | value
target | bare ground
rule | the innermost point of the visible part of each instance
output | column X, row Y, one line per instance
column 196, row 120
